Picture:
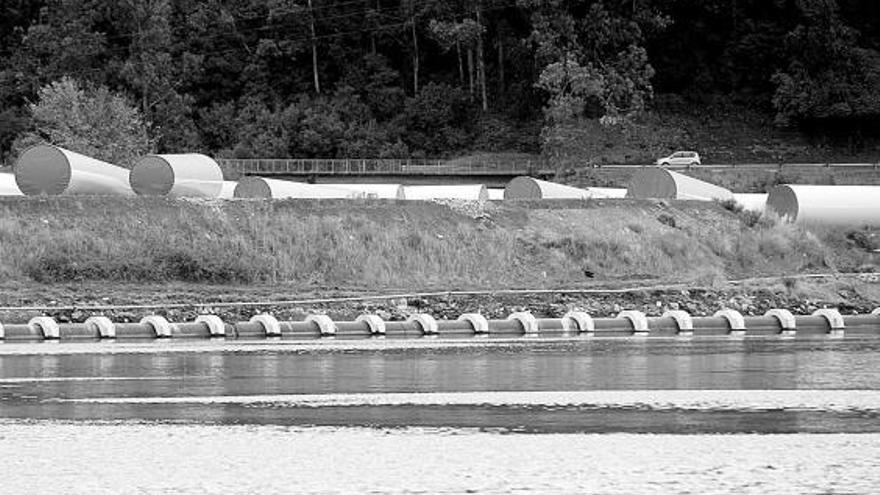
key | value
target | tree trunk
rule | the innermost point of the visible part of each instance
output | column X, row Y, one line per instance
column 145, row 89
column 470, row 57
column 373, row 30
column 481, row 61
column 501, row 84
column 314, row 49
column 415, row 40
column 460, row 63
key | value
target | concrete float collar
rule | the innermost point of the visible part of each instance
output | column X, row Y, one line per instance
column 527, row 320
column 578, row 320
column 48, row 326
column 159, row 324
column 374, row 322
column 832, row 316
column 478, row 322
column 426, row 322
column 734, row 318
column 214, row 323
column 637, row 319
column 682, row 319
column 784, row 317
column 324, row 323
column 105, row 327
column 269, row 323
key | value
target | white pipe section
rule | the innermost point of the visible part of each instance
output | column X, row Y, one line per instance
column 8, row 187
column 470, row 192
column 380, row 191
column 259, row 187
column 50, row 170
column 660, row 183
column 607, row 192
column 751, row 202
column 828, row 205
column 228, row 189
column 495, row 194
column 178, row 176
column 529, row 188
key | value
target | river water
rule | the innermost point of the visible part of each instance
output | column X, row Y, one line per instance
column 442, row 416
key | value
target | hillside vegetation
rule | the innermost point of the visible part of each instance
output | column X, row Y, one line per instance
column 589, row 80
column 410, row 245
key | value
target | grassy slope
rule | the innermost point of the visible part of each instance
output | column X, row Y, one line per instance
column 406, row 245
column 98, row 251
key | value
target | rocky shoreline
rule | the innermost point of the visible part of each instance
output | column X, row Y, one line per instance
column 849, row 294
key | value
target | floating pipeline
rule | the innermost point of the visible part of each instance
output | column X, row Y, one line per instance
column 635, row 324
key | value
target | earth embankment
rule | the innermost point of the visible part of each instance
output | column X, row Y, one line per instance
column 106, row 246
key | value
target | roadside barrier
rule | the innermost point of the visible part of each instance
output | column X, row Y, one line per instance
column 672, row 324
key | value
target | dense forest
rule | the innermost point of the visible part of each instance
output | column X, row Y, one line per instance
column 429, row 78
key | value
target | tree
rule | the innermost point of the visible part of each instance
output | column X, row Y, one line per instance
column 89, row 120
column 603, row 42
column 62, row 39
column 594, row 67
column 829, row 77
column 435, row 120
column 461, row 36
column 156, row 73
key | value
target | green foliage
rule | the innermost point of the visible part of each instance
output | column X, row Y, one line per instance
column 864, row 239
column 236, row 77
column 436, row 119
column 828, row 76
column 594, row 56
column 328, row 243
column 596, row 68
column 13, row 121
column 92, row 121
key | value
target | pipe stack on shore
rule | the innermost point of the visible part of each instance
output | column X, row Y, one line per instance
column 660, row 183
column 50, row 170
column 826, row 205
column 530, row 188
column 177, row 176
column 259, row 187
column 8, row 187
column 53, row 170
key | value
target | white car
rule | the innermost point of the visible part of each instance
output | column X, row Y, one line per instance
column 684, row 158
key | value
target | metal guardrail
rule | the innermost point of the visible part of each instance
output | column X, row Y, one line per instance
column 760, row 166
column 377, row 166
column 429, row 167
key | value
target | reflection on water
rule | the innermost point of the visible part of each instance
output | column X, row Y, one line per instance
column 403, row 418
column 561, row 366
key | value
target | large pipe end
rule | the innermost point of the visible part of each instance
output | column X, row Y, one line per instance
column 152, row 175
column 42, row 170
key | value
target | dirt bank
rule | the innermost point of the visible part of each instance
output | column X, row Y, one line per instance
column 183, row 302
column 87, row 251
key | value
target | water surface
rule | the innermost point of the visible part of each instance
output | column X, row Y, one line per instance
column 434, row 416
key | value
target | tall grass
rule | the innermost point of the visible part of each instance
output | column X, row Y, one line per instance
column 387, row 244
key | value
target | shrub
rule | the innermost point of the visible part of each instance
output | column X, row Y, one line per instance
column 89, row 120
column 667, row 219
